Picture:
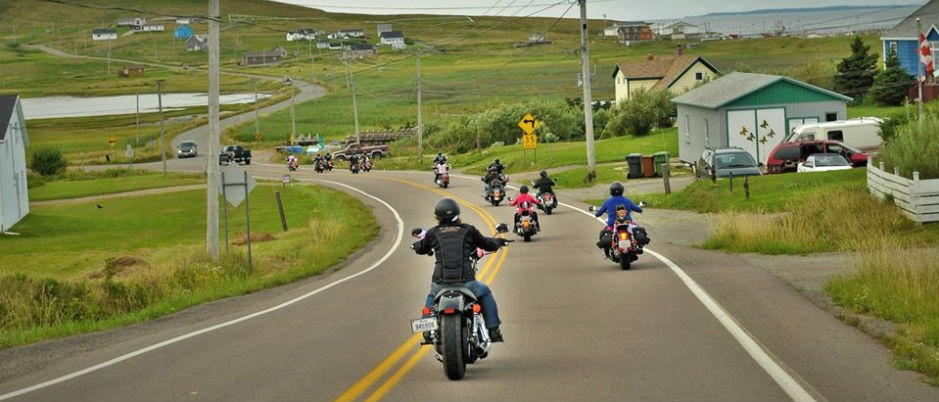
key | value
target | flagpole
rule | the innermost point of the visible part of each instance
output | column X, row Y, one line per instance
column 919, row 68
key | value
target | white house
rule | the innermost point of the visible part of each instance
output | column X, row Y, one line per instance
column 395, row 39
column 14, row 198
column 301, row 34
column 103, row 34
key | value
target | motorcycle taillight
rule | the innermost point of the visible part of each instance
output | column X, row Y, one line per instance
column 425, row 311
column 477, row 308
column 449, row 311
column 624, row 235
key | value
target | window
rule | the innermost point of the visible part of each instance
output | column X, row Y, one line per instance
column 698, row 76
column 831, row 116
column 893, row 47
column 836, row 135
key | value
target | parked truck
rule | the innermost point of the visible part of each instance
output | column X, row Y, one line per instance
column 234, row 153
column 373, row 151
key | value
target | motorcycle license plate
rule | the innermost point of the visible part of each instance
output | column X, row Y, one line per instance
column 424, row 324
column 623, row 244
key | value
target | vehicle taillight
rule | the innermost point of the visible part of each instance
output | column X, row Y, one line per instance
column 425, row 311
column 623, row 235
column 477, row 308
column 449, row 311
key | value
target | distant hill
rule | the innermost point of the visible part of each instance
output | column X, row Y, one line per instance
column 805, row 9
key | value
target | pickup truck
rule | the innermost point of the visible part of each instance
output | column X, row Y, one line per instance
column 235, row 153
column 374, row 151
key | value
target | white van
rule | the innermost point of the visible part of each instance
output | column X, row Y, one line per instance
column 862, row 133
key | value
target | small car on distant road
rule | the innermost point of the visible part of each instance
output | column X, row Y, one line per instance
column 187, row 149
column 823, row 162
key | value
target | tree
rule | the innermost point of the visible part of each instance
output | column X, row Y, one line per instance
column 645, row 110
column 891, row 84
column 48, row 162
column 855, row 74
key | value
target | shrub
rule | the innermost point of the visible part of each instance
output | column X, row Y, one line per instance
column 643, row 111
column 48, row 162
column 914, row 148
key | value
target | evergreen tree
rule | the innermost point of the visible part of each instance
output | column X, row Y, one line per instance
column 856, row 73
column 892, row 83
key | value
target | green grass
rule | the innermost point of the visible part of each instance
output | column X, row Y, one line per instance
column 141, row 257
column 125, row 180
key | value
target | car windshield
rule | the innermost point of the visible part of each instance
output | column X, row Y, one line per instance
column 830, row 160
column 187, row 144
column 733, row 160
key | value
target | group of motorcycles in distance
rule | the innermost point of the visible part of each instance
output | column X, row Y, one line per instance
column 323, row 164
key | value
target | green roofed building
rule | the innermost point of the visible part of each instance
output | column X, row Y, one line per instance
column 750, row 111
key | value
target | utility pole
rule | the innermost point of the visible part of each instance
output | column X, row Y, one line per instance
column 588, row 107
column 162, row 134
column 420, row 121
column 919, row 68
column 257, row 117
column 355, row 113
column 137, row 143
column 293, row 117
column 212, row 182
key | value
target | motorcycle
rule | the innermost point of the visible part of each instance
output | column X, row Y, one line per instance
column 354, row 168
column 525, row 225
column 454, row 325
column 320, row 166
column 548, row 199
column 367, row 166
column 496, row 194
column 292, row 165
column 443, row 180
column 623, row 246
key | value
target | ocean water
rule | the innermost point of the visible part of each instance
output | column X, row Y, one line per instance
column 799, row 23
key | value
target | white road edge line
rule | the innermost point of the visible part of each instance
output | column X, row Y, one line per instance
column 785, row 381
column 183, row 337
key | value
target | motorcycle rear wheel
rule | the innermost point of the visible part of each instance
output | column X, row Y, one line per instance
column 625, row 262
column 454, row 339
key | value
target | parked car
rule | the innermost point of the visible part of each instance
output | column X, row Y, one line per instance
column 823, row 163
column 724, row 162
column 786, row 156
column 187, row 149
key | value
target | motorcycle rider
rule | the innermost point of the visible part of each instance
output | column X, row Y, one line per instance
column 441, row 169
column 453, row 243
column 496, row 165
column 524, row 197
column 354, row 163
column 544, row 184
column 492, row 178
column 329, row 161
column 439, row 159
column 609, row 207
column 317, row 162
column 292, row 161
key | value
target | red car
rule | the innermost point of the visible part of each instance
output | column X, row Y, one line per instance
column 786, row 156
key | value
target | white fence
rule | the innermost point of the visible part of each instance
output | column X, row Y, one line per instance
column 917, row 199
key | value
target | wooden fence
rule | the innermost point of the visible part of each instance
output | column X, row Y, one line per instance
column 917, row 199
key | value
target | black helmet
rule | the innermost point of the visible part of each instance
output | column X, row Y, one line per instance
column 446, row 210
column 496, row 160
column 439, row 153
column 523, row 189
column 543, row 173
column 616, row 188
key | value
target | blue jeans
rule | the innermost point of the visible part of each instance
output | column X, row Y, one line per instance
column 483, row 295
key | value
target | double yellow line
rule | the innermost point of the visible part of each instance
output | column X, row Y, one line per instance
column 368, row 382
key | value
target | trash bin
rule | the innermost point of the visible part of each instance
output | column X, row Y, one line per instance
column 635, row 165
column 659, row 158
column 648, row 170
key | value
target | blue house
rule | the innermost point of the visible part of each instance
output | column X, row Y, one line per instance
column 183, row 31
column 904, row 38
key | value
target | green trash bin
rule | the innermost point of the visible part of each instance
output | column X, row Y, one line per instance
column 659, row 158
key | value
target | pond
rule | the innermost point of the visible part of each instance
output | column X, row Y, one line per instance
column 70, row 106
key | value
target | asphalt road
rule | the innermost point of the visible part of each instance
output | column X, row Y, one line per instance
column 683, row 325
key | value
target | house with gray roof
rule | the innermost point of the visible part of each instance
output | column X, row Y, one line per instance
column 750, row 111
column 14, row 198
column 904, row 38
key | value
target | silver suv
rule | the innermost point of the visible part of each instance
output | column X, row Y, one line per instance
column 724, row 162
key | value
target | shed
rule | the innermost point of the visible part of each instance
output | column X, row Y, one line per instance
column 14, row 196
column 131, row 70
column 750, row 111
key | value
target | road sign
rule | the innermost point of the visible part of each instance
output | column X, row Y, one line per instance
column 529, row 141
column 529, row 124
column 234, row 186
column 112, row 142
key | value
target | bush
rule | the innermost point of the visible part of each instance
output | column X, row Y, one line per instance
column 914, row 148
column 643, row 111
column 48, row 162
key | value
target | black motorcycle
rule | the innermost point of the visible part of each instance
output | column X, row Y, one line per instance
column 455, row 324
column 623, row 246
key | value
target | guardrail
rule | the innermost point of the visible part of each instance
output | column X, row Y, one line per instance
column 917, row 199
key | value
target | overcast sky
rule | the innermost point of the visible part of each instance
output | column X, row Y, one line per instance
column 624, row 10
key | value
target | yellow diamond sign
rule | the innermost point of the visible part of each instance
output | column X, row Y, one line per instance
column 529, row 124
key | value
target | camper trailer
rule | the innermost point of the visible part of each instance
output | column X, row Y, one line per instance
column 862, row 133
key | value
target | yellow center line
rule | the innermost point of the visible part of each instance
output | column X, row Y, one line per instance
column 373, row 376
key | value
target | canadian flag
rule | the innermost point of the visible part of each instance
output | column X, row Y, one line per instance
column 925, row 55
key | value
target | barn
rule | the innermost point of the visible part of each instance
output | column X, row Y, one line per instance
column 14, row 196
column 750, row 111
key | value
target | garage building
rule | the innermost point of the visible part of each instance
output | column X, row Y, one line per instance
column 750, row 111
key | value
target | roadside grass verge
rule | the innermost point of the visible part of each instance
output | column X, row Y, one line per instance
column 138, row 258
column 118, row 180
column 897, row 281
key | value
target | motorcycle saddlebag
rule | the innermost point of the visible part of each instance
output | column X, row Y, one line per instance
column 641, row 236
column 605, row 240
